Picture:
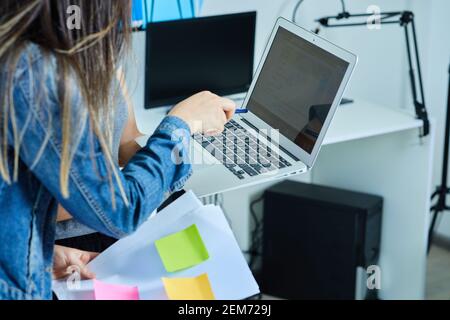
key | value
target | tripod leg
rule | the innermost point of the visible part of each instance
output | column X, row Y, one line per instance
column 443, row 189
column 431, row 231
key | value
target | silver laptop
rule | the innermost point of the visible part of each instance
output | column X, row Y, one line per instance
column 293, row 97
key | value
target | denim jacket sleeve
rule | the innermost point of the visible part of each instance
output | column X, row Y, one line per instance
column 161, row 166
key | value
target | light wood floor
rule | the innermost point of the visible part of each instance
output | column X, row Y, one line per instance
column 438, row 274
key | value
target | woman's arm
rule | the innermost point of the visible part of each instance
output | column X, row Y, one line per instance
column 95, row 200
column 128, row 146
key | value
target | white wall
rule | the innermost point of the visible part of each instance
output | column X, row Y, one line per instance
column 268, row 11
column 381, row 52
column 382, row 74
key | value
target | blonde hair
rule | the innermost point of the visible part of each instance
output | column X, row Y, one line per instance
column 88, row 56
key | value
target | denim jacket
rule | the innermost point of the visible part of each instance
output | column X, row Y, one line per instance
column 28, row 206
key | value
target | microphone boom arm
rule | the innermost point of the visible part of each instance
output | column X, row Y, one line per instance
column 404, row 19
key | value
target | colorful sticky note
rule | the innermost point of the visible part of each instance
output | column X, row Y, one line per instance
column 104, row 291
column 188, row 288
column 182, row 250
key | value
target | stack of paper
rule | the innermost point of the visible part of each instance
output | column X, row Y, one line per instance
column 186, row 252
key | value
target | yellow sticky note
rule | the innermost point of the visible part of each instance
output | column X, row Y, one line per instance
column 197, row 288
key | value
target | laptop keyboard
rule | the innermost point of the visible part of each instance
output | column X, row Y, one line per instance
column 242, row 153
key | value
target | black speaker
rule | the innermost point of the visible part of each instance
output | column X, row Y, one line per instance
column 318, row 241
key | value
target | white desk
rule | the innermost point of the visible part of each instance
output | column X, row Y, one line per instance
column 369, row 148
column 373, row 149
column 364, row 120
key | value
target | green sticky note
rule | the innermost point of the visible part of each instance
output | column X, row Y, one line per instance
column 182, row 250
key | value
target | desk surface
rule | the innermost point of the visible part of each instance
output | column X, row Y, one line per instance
column 354, row 121
column 364, row 119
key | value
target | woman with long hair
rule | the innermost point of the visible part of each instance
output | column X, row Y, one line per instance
column 59, row 99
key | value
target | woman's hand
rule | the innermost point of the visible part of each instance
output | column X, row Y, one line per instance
column 65, row 259
column 205, row 112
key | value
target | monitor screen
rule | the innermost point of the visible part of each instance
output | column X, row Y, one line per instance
column 296, row 88
column 184, row 57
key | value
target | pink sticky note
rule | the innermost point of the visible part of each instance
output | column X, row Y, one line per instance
column 105, row 291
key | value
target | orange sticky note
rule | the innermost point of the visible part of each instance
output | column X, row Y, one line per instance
column 197, row 288
column 105, row 291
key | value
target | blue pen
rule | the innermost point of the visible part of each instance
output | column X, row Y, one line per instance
column 240, row 111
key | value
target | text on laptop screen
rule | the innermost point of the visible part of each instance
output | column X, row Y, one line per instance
column 296, row 88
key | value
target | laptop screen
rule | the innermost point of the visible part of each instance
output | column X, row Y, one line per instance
column 296, row 88
column 187, row 56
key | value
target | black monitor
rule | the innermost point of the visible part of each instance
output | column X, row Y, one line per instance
column 184, row 57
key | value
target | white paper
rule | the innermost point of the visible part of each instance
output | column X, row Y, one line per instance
column 135, row 261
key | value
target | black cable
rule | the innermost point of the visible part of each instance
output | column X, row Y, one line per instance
column 343, row 6
column 294, row 14
column 299, row 3
column 256, row 234
column 344, row 14
column 180, row 10
column 253, row 250
column 145, row 14
column 192, row 8
column 152, row 14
